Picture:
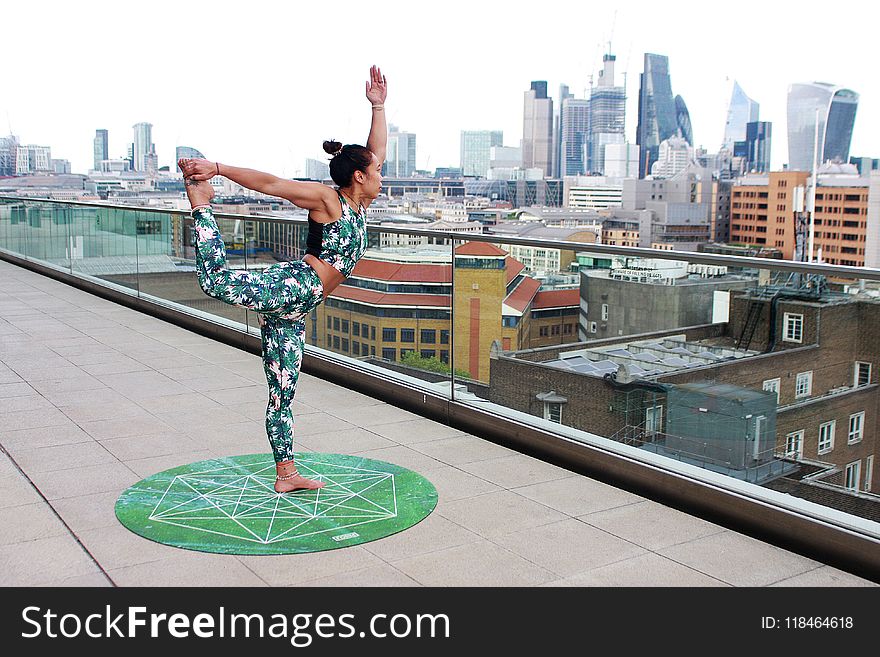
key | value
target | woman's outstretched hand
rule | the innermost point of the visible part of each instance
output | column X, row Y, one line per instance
column 197, row 169
column 376, row 87
column 199, row 192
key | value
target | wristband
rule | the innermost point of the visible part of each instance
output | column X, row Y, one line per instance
column 217, row 164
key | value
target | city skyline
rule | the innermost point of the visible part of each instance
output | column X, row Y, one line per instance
column 222, row 98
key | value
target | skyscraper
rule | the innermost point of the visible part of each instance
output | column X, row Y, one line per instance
column 557, row 127
column 757, row 146
column 683, row 121
column 102, row 151
column 8, row 151
column 476, row 146
column 400, row 155
column 836, row 109
column 741, row 111
column 537, row 141
column 607, row 116
column 574, row 137
column 143, row 145
column 657, row 110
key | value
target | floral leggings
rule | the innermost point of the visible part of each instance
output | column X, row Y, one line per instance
column 284, row 294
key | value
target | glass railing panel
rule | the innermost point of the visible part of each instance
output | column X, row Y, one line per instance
column 14, row 226
column 165, row 258
column 104, row 244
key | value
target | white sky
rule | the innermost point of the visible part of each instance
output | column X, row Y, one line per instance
column 262, row 84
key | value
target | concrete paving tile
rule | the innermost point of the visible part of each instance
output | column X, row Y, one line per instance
column 15, row 390
column 33, row 419
column 123, row 427
column 567, row 547
column 455, row 484
column 57, row 389
column 825, row 576
column 151, row 445
column 96, row 579
column 119, row 365
column 651, row 525
column 247, row 392
column 87, row 512
column 647, row 569
column 294, row 569
column 61, row 371
column 317, row 423
column 38, row 562
column 147, row 467
column 84, row 481
column 43, row 437
column 101, row 354
column 381, row 576
column 102, row 411
column 117, row 547
column 432, row 534
column 517, row 470
column 196, row 418
column 345, row 441
column 475, row 564
column 187, row 568
column 31, row 402
column 179, row 403
column 184, row 373
column 140, row 385
column 739, row 560
column 501, row 512
column 62, row 457
column 372, row 415
column 29, row 522
column 417, row 430
column 214, row 352
column 102, row 395
column 15, row 490
column 404, row 457
column 251, row 369
column 577, row 495
column 459, row 450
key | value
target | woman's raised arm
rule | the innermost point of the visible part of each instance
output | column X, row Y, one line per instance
column 376, row 92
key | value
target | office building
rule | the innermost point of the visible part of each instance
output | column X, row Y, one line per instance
column 835, row 108
column 142, row 146
column 400, row 155
column 537, row 141
column 741, row 111
column 316, row 169
column 476, row 148
column 607, row 116
column 657, row 110
column 186, row 152
column 101, row 148
column 574, row 135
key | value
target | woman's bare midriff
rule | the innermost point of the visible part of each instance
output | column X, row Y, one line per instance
column 330, row 277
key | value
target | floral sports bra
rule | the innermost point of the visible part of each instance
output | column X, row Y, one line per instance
column 339, row 243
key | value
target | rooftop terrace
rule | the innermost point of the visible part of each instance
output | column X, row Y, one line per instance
column 95, row 396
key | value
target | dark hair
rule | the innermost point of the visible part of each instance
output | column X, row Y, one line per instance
column 346, row 160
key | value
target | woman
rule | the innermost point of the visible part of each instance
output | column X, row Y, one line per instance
column 284, row 294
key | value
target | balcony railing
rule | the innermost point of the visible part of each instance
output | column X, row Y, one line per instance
column 447, row 330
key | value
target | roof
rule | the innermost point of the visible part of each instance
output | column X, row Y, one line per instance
column 556, row 299
column 376, row 298
column 514, row 267
column 479, row 249
column 523, row 294
column 402, row 272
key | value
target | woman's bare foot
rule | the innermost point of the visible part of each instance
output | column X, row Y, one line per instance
column 288, row 479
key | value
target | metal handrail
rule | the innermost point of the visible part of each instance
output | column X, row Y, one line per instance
column 840, row 271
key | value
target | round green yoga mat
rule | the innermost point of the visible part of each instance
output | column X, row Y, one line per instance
column 229, row 505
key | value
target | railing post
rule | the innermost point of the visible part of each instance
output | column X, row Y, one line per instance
column 452, row 321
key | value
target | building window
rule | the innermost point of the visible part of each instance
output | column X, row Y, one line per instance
column 389, row 335
column 355, row 347
column 389, row 354
column 869, row 472
column 345, row 345
column 555, row 329
column 336, row 342
column 772, row 385
column 794, row 327
column 444, row 356
column 329, row 322
column 853, row 474
column 427, row 353
column 356, row 329
column 406, row 352
column 826, row 437
column 593, row 327
column 653, row 419
column 862, row 376
column 372, row 334
column 543, row 331
column 345, row 326
column 429, row 336
column 856, row 424
column 372, row 350
column 365, row 349
column 604, row 312
column 803, row 386
column 407, row 335
column 794, row 445
column 444, row 337
column 553, row 412
column 335, row 323
column 329, row 340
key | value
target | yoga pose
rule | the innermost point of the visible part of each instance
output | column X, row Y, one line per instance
column 285, row 293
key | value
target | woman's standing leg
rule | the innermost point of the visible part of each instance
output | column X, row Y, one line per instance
column 283, row 343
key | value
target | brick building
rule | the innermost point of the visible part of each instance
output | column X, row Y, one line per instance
column 816, row 356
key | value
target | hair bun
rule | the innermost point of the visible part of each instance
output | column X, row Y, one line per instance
column 332, row 147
